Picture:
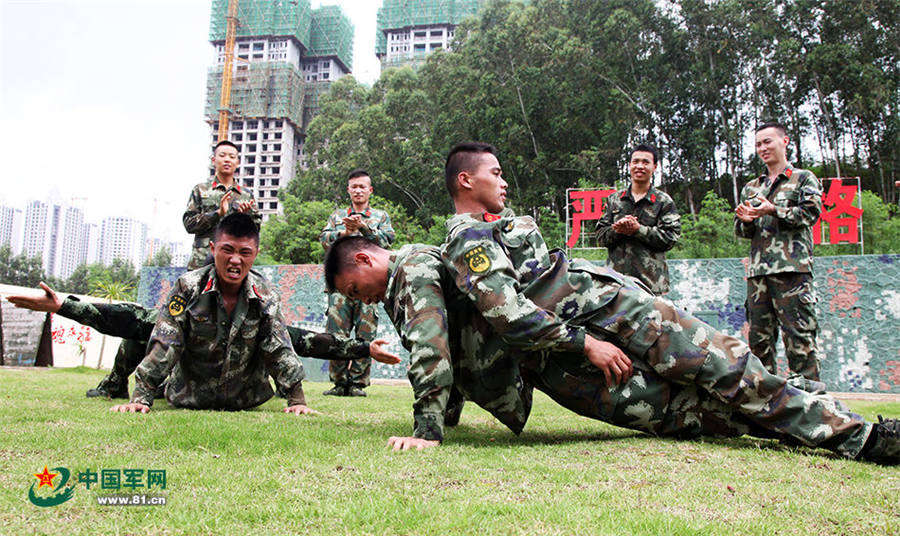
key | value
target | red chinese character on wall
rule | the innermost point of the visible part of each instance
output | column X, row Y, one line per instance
column 588, row 205
column 840, row 214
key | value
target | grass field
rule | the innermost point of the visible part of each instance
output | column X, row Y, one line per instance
column 264, row 472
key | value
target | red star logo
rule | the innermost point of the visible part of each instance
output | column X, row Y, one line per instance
column 46, row 478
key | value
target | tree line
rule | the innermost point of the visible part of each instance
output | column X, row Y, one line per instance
column 564, row 87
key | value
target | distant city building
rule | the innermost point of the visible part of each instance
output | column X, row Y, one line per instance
column 53, row 231
column 408, row 30
column 286, row 54
column 122, row 238
column 12, row 223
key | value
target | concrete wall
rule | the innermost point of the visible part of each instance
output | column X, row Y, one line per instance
column 858, row 303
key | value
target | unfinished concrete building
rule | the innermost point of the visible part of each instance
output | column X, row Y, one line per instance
column 285, row 54
column 409, row 30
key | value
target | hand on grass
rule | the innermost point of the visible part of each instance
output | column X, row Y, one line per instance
column 301, row 409
column 406, row 443
column 609, row 358
column 382, row 355
column 48, row 302
column 133, row 407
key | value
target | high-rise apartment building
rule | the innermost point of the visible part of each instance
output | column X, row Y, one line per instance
column 53, row 231
column 12, row 221
column 122, row 238
column 285, row 54
column 409, row 30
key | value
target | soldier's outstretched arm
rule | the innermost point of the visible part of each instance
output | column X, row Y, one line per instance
column 124, row 320
column 420, row 316
column 308, row 343
column 279, row 358
column 164, row 351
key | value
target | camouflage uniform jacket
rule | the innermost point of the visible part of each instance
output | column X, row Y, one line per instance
column 201, row 215
column 642, row 255
column 124, row 320
column 534, row 298
column 378, row 227
column 437, row 329
column 219, row 360
column 133, row 321
column 782, row 242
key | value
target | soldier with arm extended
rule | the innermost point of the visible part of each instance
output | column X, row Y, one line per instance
column 777, row 212
column 344, row 315
column 640, row 223
column 212, row 200
column 134, row 323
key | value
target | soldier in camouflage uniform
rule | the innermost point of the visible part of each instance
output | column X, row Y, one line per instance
column 777, row 212
column 210, row 201
column 639, row 224
column 539, row 300
column 220, row 335
column 343, row 315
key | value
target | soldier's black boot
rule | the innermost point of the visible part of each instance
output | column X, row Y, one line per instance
column 337, row 390
column 883, row 444
column 454, row 408
column 109, row 387
column 354, row 390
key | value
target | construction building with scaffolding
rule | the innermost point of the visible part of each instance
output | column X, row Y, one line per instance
column 285, row 55
column 408, row 30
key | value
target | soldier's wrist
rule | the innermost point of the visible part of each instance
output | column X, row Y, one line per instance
column 68, row 307
column 429, row 426
column 297, row 396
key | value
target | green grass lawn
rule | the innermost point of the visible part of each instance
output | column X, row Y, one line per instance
column 265, row 472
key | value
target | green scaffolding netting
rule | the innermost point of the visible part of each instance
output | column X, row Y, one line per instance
column 266, row 89
column 287, row 18
column 331, row 34
column 407, row 13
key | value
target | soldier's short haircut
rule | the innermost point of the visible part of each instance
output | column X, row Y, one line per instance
column 228, row 143
column 238, row 225
column 463, row 157
column 358, row 172
column 782, row 131
column 340, row 257
column 645, row 148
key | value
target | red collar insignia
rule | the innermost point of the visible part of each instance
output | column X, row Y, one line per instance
column 653, row 198
column 208, row 285
column 258, row 295
column 215, row 184
column 788, row 172
column 625, row 192
column 488, row 217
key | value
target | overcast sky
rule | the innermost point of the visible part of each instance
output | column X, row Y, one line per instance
column 103, row 100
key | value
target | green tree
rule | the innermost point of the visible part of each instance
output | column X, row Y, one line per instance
column 163, row 257
column 20, row 269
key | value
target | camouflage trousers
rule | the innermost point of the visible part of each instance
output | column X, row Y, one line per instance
column 344, row 315
column 787, row 299
column 128, row 357
column 685, row 351
column 198, row 258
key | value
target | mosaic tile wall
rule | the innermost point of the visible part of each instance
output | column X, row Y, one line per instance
column 858, row 303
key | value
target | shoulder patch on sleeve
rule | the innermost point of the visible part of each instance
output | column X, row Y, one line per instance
column 477, row 260
column 176, row 305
